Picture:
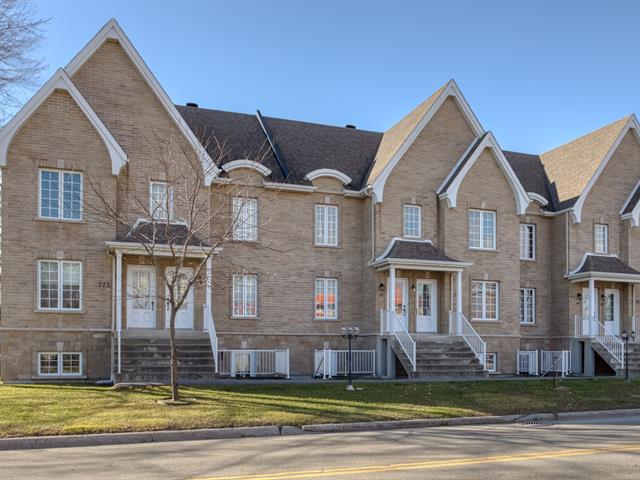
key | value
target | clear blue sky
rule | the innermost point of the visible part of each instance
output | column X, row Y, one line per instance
column 536, row 73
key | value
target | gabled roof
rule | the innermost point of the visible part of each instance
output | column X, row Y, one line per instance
column 396, row 141
column 449, row 189
column 417, row 253
column 159, row 233
column 573, row 168
column 61, row 81
column 112, row 31
column 306, row 147
column 530, row 172
column 603, row 266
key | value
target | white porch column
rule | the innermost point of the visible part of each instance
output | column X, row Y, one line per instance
column 392, row 289
column 119, row 306
column 458, row 300
column 592, row 305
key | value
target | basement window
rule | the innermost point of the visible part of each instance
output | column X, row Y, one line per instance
column 59, row 364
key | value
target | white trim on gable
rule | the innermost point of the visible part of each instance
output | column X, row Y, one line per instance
column 451, row 90
column 328, row 172
column 536, row 197
column 576, row 211
column 113, row 31
column 244, row 163
column 489, row 141
column 61, row 81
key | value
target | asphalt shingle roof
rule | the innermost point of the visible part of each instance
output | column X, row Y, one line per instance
column 160, row 234
column 417, row 250
column 606, row 264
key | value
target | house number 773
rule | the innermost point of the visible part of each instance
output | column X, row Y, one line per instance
column 104, row 284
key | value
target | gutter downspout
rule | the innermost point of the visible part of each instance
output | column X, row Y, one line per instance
column 113, row 313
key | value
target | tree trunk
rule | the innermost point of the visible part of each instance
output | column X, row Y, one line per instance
column 175, row 393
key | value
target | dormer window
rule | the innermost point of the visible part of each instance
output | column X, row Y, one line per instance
column 412, row 221
column 161, row 201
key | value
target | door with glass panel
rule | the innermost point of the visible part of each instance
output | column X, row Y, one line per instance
column 426, row 306
column 184, row 317
column 587, row 327
column 401, row 300
column 612, row 310
column 141, row 301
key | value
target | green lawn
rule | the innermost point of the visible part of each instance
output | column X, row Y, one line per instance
column 67, row 409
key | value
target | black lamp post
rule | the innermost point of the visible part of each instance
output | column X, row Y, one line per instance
column 625, row 338
column 350, row 333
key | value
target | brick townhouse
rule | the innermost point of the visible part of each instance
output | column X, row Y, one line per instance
column 451, row 256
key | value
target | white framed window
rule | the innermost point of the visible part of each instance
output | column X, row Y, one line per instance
column 59, row 285
column 601, row 238
column 59, row 364
column 245, row 296
column 482, row 229
column 492, row 362
column 528, row 305
column 527, row 241
column 485, row 298
column 326, row 298
column 60, row 193
column 161, row 200
column 327, row 225
column 245, row 218
column 412, row 221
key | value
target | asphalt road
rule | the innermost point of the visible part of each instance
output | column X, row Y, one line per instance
column 604, row 448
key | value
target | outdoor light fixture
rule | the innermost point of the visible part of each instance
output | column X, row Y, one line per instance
column 603, row 299
column 579, row 297
column 349, row 333
column 413, row 289
column 626, row 337
column 381, row 289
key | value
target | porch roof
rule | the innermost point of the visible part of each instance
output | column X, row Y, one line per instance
column 416, row 255
column 604, row 267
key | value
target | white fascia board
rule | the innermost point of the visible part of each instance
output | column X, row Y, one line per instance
column 522, row 198
column 451, row 90
column 245, row 163
column 61, row 81
column 330, row 173
column 576, row 211
column 536, row 197
column 113, row 31
column 289, row 187
column 135, row 248
column 440, row 189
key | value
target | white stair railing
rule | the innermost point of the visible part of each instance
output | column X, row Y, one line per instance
column 391, row 323
column 459, row 325
column 210, row 328
column 594, row 329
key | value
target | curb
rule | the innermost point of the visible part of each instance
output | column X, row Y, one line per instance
column 101, row 439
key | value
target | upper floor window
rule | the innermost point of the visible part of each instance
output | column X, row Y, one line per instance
column 527, row 305
column 601, row 238
column 412, row 221
column 327, row 225
column 484, row 300
column 59, row 285
column 245, row 296
column 326, row 298
column 245, row 219
column 161, row 200
column 527, row 241
column 482, row 229
column 60, row 194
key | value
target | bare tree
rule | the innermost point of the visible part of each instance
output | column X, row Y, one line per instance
column 20, row 34
column 181, row 222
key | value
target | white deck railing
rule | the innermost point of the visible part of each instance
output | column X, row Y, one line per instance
column 555, row 361
column 459, row 325
column 592, row 328
column 253, row 363
column 210, row 328
column 330, row 363
column 392, row 324
column 527, row 362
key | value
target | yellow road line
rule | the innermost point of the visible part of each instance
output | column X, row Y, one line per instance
column 454, row 462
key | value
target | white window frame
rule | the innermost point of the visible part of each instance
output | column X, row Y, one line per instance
column 245, row 297
column 604, row 229
column 60, row 286
column 495, row 362
column 245, row 226
column 325, row 307
column 483, row 215
column 60, row 362
column 527, row 295
column 321, row 231
column 528, row 241
column 60, row 215
column 484, row 317
column 407, row 210
column 156, row 211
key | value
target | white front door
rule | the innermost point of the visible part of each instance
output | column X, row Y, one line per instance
column 427, row 306
column 587, row 328
column 141, row 293
column 612, row 310
column 184, row 317
column 401, row 300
